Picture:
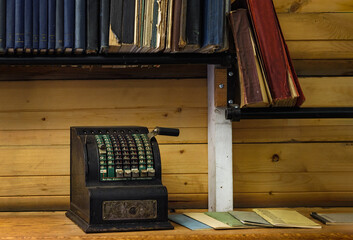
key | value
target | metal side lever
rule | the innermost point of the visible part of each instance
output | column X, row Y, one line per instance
column 163, row 131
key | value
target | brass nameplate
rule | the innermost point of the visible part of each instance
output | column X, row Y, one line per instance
column 129, row 210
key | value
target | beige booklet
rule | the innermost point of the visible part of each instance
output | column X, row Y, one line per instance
column 286, row 218
column 205, row 219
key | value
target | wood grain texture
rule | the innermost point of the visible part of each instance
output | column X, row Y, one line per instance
column 308, row 6
column 54, row 225
column 317, row 26
column 323, row 67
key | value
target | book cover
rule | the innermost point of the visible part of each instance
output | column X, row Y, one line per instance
column 193, row 26
column 59, row 26
column 169, row 26
column 227, row 218
column 182, row 25
column 10, row 26
column 254, row 90
column 250, row 218
column 92, row 26
column 80, row 26
column 128, row 26
column 115, row 25
column 43, row 26
column 145, row 45
column 205, row 219
column 286, row 218
column 176, row 25
column 28, row 44
column 187, row 222
column 19, row 25
column 69, row 25
column 51, row 25
column 334, row 218
column 154, row 24
column 35, row 26
column 161, row 25
column 104, row 25
column 2, row 26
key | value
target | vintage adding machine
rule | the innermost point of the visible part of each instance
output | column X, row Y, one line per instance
column 115, row 181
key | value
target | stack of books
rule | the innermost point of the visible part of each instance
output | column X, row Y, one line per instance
column 244, row 219
column 266, row 73
column 112, row 26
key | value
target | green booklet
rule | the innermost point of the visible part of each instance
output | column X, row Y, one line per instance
column 227, row 219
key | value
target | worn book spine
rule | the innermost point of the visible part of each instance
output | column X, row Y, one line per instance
column 28, row 45
column 209, row 24
column 10, row 26
column 169, row 26
column 2, row 26
column 51, row 25
column 154, row 25
column 219, row 28
column 128, row 26
column 59, row 26
column 35, row 26
column 115, row 26
column 19, row 26
column 80, row 26
column 92, row 39
column 104, row 25
column 43, row 26
column 69, row 25
column 176, row 25
column 193, row 26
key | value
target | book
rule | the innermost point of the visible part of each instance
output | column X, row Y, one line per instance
column 334, row 218
column 51, row 25
column 169, row 27
column 250, row 218
column 146, row 37
column 43, row 26
column 10, row 26
column 155, row 8
column 19, row 26
column 28, row 25
column 69, row 25
column 104, row 25
column 227, row 218
column 176, row 26
column 187, row 222
column 2, row 26
column 59, row 26
column 115, row 25
column 92, row 26
column 161, row 26
column 286, row 218
column 253, row 90
column 80, row 26
column 128, row 31
column 35, row 26
column 214, row 20
column 280, row 75
column 192, row 26
column 210, row 221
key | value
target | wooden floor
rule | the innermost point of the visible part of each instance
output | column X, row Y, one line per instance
column 55, row 225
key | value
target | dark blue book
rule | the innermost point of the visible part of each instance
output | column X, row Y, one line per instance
column 35, row 26
column 28, row 26
column 43, row 26
column 92, row 34
column 104, row 25
column 2, row 26
column 59, row 26
column 10, row 26
column 80, row 26
column 69, row 25
column 51, row 25
column 19, row 25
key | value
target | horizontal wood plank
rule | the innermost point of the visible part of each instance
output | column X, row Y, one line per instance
column 304, row 6
column 166, row 117
column 317, row 26
column 321, row 49
column 98, row 94
column 323, row 67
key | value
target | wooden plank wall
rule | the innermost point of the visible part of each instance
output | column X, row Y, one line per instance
column 276, row 162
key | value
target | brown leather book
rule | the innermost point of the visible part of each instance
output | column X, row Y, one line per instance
column 253, row 86
column 176, row 25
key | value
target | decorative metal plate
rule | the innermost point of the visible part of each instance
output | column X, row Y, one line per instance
column 129, row 210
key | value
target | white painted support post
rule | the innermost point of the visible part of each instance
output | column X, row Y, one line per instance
column 220, row 160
